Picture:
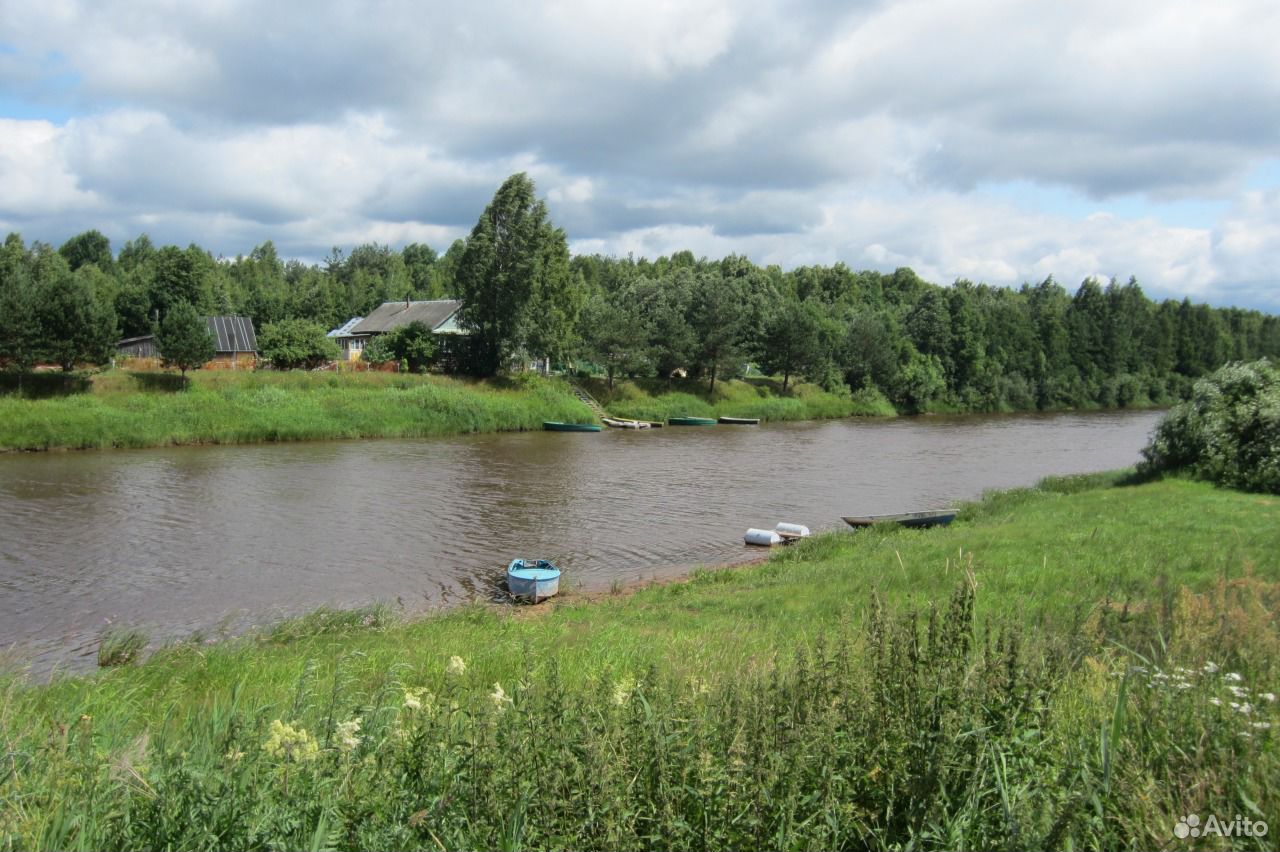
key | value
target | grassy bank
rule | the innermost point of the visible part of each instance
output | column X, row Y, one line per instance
column 122, row 409
column 1055, row 670
column 658, row 399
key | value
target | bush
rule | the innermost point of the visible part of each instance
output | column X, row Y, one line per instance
column 1228, row 432
column 413, row 345
column 294, row 343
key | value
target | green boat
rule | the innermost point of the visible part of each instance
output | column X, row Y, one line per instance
column 557, row 426
column 691, row 421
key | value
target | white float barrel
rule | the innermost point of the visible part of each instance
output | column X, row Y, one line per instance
column 764, row 538
column 794, row 530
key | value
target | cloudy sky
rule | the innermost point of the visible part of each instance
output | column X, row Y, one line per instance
column 993, row 140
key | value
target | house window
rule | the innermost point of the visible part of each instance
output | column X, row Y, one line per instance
column 357, row 344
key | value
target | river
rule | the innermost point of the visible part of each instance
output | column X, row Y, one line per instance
column 222, row 538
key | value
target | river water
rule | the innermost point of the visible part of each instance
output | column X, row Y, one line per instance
column 207, row 538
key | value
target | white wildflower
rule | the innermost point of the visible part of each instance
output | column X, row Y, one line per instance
column 416, row 699
column 499, row 697
column 1269, row 697
column 1216, row 702
column 348, row 732
column 1234, row 677
column 1262, row 726
column 1182, row 684
column 1211, row 667
column 456, row 666
column 622, row 691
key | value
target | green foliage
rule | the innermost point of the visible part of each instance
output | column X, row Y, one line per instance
column 91, row 247
column 514, row 280
column 1040, row 346
column 412, row 344
column 1227, row 433
column 184, row 340
column 293, row 344
column 74, row 326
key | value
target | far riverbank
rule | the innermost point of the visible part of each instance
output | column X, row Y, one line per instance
column 120, row 409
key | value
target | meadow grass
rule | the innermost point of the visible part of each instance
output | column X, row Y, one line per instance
column 155, row 409
column 659, row 400
column 1056, row 669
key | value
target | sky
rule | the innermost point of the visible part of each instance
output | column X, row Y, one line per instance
column 991, row 140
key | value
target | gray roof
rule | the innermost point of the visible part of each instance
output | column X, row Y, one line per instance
column 344, row 330
column 230, row 334
column 392, row 315
column 233, row 334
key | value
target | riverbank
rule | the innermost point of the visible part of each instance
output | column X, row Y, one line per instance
column 659, row 400
column 134, row 410
column 124, row 409
column 1068, row 679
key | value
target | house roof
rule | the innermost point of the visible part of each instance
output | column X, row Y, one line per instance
column 392, row 315
column 344, row 330
column 230, row 334
column 233, row 334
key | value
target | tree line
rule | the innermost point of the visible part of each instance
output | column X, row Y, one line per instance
column 966, row 346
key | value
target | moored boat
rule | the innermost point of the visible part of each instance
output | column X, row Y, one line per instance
column 936, row 518
column 535, row 579
column 626, row 424
column 557, row 426
column 691, row 421
column 740, row 421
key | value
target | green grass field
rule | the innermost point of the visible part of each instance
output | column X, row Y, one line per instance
column 147, row 410
column 1055, row 670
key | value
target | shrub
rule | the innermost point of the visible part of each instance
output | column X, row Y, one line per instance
column 1228, row 432
column 293, row 343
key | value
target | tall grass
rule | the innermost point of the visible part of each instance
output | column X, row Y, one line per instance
column 764, row 398
column 1055, row 670
column 127, row 410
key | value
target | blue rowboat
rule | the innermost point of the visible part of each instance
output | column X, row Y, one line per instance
column 532, row 578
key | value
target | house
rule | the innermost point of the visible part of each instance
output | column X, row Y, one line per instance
column 439, row 315
column 351, row 345
column 235, row 344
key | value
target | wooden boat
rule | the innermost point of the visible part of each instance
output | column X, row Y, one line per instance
column 536, row 579
column 625, row 424
column 691, row 421
column 557, row 426
column 937, row 518
column 740, row 421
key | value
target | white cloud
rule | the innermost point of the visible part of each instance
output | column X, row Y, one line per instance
column 867, row 132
